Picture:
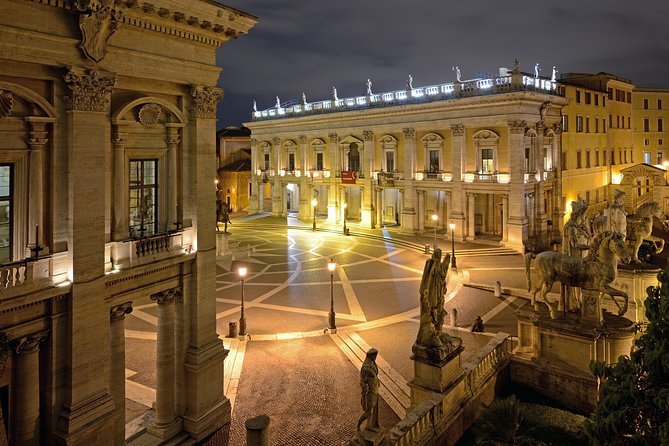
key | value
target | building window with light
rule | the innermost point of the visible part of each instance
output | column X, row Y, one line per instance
column 390, row 161
column 646, row 157
column 143, row 197
column 646, row 142
column 659, row 157
column 646, row 125
column 266, row 161
column 319, row 161
column 565, row 123
column 434, row 161
column 353, row 157
column 291, row 162
column 579, row 124
column 487, row 161
column 6, row 214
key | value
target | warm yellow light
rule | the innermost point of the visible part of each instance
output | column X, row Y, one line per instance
column 435, row 217
column 332, row 265
column 344, row 205
column 242, row 271
column 615, row 178
column 452, row 226
column 314, row 202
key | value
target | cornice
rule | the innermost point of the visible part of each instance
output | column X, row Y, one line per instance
column 202, row 21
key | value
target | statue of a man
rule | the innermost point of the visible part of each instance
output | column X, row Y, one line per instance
column 369, row 385
column 618, row 214
column 222, row 214
column 536, row 70
column 576, row 241
column 554, row 74
column 334, row 94
column 410, row 83
column 457, row 73
column 369, row 87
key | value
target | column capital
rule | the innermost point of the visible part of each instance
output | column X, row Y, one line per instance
column 333, row 137
column 419, row 191
column 276, row 141
column 409, row 132
column 118, row 312
column 303, row 139
column 167, row 297
column 173, row 140
column 368, row 135
column 37, row 143
column 89, row 90
column 458, row 130
column 254, row 142
column 517, row 126
column 30, row 344
column 204, row 101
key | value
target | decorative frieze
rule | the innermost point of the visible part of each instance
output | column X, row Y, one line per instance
column 517, row 126
column 167, row 297
column 118, row 312
column 98, row 21
column 458, row 130
column 205, row 100
column 368, row 135
column 89, row 90
column 6, row 103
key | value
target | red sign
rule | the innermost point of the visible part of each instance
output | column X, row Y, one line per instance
column 348, row 176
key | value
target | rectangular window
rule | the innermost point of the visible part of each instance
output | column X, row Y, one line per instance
column 604, row 157
column 266, row 161
column 487, row 161
column 527, row 159
column 646, row 157
column 613, row 158
column 6, row 213
column 631, row 156
column 610, row 92
column 578, row 96
column 596, row 125
column 143, row 197
column 617, row 121
column 596, row 158
column 596, row 99
column 587, row 124
column 578, row 159
column 603, row 125
column 434, row 161
column 319, row 161
column 587, row 158
column 646, row 142
column 564, row 161
column 291, row 162
column 645, row 104
column 565, row 123
column 646, row 125
column 629, row 97
column 625, row 155
column 610, row 121
column 629, row 122
column 660, row 142
column 579, row 123
column 659, row 104
column 390, row 161
column 659, row 157
column 660, row 125
column 588, row 97
column 603, row 101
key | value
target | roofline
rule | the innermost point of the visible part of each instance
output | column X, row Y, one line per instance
column 230, row 8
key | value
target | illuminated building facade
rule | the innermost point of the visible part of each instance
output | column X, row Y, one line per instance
column 481, row 153
column 107, row 155
column 233, row 155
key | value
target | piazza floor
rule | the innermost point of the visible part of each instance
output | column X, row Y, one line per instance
column 290, row 367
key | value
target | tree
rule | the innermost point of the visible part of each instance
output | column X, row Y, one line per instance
column 502, row 424
column 633, row 407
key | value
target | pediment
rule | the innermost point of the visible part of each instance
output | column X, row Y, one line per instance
column 655, row 174
column 350, row 139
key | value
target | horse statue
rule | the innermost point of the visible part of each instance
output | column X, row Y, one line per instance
column 594, row 272
column 640, row 225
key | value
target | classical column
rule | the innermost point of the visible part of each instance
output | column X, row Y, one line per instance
column 408, row 216
column 37, row 140
column 254, row 199
column 173, row 139
column 117, row 378
column 471, row 207
column 457, row 211
column 367, row 216
column 206, row 407
column 379, row 207
column 25, row 391
column 88, row 411
column 420, row 209
column 120, row 211
column 166, row 424
column 368, row 145
column 505, row 217
column 278, row 190
column 332, row 188
column 540, row 216
column 517, row 220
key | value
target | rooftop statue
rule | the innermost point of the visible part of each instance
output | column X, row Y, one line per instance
column 431, row 343
column 410, row 83
column 278, row 102
column 536, row 70
column 554, row 74
column 457, row 73
column 334, row 94
column 595, row 272
column 255, row 107
column 369, row 87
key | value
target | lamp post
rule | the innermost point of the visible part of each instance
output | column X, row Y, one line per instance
column 314, row 202
column 435, row 217
column 344, row 211
column 242, row 318
column 331, row 315
column 452, row 226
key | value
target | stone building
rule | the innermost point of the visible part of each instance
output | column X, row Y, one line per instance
column 107, row 118
column 233, row 155
column 482, row 154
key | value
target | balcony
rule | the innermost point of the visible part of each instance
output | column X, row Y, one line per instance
column 501, row 178
column 24, row 275
column 135, row 252
column 433, row 176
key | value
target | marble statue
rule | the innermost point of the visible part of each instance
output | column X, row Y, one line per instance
column 577, row 238
column 304, row 99
column 369, row 87
column 640, row 226
column 369, row 385
column 278, row 102
column 334, row 94
column 457, row 73
column 431, row 342
column 516, row 65
column 410, row 83
column 222, row 214
column 554, row 74
column 536, row 70
column 255, row 107
column 618, row 214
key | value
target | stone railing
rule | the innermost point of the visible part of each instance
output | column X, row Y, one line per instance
column 23, row 273
column 473, row 87
column 135, row 252
column 430, row 418
column 502, row 178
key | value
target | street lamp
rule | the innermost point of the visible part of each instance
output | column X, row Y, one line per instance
column 344, row 210
column 314, row 202
column 242, row 319
column 331, row 315
column 435, row 217
column 452, row 226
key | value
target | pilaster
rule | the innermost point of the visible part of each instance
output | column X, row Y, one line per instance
column 117, row 375
column 409, row 217
column 332, row 188
column 518, row 225
column 458, row 204
column 36, row 140
column 277, row 189
column 173, row 139
column 26, row 395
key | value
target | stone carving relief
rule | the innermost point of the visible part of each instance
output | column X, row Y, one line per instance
column 368, row 135
column 408, row 132
column 276, row 141
column 6, row 103
column 458, row 130
column 205, row 100
column 30, row 343
column 167, row 297
column 517, row 126
column 333, row 137
column 89, row 90
column 303, row 139
column 149, row 114
column 118, row 312
column 98, row 21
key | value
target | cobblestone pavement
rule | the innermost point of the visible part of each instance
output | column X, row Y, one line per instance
column 307, row 382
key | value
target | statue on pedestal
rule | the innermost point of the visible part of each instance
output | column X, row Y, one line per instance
column 222, row 214
column 576, row 241
column 618, row 214
column 431, row 343
column 369, row 385
column 640, row 226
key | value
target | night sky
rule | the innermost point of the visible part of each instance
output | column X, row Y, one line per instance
column 311, row 45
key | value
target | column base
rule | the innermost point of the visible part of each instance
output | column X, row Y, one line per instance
column 165, row 431
column 89, row 423
column 210, row 421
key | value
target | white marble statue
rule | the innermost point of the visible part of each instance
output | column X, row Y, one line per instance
column 618, row 214
column 536, row 70
column 554, row 74
column 457, row 73
column 334, row 94
column 369, row 87
column 255, row 107
column 304, row 99
column 410, row 83
column 278, row 102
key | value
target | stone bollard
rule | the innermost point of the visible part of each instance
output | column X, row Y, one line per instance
column 454, row 317
column 232, row 330
column 498, row 289
column 427, row 248
column 257, row 431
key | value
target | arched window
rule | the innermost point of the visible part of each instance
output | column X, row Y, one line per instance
column 432, row 144
column 388, row 147
column 486, row 142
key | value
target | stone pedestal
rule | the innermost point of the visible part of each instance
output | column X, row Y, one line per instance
column 369, row 437
column 591, row 308
column 554, row 356
column 222, row 243
column 634, row 279
column 434, row 375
